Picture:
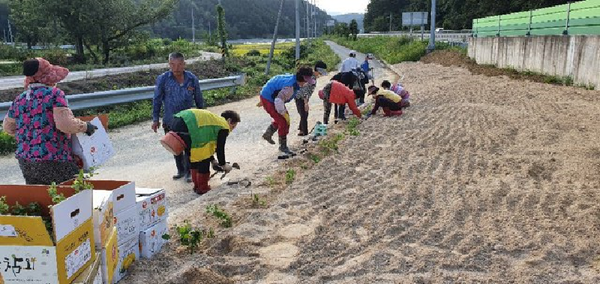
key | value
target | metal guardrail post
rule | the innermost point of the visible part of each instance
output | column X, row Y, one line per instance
column 566, row 31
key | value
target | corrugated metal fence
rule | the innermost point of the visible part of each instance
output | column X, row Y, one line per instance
column 577, row 18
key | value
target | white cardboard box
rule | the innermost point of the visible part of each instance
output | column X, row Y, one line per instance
column 128, row 226
column 93, row 150
column 103, row 216
column 92, row 275
column 152, row 206
column 151, row 240
column 129, row 252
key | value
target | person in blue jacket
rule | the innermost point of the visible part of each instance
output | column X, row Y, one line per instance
column 278, row 91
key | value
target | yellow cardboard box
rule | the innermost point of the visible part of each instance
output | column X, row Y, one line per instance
column 30, row 253
column 104, row 219
column 110, row 258
column 92, row 275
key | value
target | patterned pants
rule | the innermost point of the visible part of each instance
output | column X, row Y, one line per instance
column 46, row 172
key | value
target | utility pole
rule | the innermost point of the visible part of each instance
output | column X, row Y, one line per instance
column 297, row 29
column 431, row 45
column 314, row 15
column 11, row 38
column 274, row 39
column 193, row 28
column 307, row 19
column 390, row 22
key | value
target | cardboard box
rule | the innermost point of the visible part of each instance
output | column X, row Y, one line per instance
column 129, row 252
column 93, row 150
column 128, row 226
column 110, row 258
column 104, row 219
column 92, row 275
column 151, row 240
column 31, row 254
column 123, row 192
column 152, row 206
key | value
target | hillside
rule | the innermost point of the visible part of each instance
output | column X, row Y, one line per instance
column 245, row 18
column 347, row 18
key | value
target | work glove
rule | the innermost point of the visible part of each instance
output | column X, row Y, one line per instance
column 286, row 115
column 90, row 129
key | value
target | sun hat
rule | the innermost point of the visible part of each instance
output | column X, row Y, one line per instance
column 373, row 89
column 46, row 73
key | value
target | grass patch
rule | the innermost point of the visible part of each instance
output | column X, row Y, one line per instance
column 393, row 49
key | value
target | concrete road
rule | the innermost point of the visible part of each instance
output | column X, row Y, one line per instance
column 12, row 82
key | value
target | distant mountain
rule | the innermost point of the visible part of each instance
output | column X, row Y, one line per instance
column 347, row 18
column 245, row 19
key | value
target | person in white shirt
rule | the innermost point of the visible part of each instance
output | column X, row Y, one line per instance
column 350, row 63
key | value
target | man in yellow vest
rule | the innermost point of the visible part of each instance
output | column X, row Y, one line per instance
column 205, row 133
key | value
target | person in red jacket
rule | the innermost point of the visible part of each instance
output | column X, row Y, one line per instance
column 337, row 93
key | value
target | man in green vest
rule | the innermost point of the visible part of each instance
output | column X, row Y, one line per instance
column 205, row 133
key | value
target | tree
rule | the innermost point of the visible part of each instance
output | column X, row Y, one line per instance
column 354, row 29
column 341, row 29
column 222, row 30
column 32, row 26
column 117, row 21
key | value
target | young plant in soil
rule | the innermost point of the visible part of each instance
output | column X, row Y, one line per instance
column 257, row 202
column 351, row 127
column 290, row 175
column 219, row 214
column 191, row 237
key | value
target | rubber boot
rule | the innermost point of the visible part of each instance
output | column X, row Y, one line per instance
column 283, row 146
column 180, row 163
column 201, row 183
column 268, row 135
column 396, row 113
column 194, row 174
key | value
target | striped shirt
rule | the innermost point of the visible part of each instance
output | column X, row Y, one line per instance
column 174, row 96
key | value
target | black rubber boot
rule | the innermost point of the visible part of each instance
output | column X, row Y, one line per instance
column 283, row 146
column 268, row 135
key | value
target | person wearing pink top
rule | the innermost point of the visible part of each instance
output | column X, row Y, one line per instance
column 42, row 124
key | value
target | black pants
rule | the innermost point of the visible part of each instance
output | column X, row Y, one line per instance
column 339, row 111
column 303, row 126
column 47, row 172
column 183, row 160
column 383, row 102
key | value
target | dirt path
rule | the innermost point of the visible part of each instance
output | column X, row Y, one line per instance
column 14, row 82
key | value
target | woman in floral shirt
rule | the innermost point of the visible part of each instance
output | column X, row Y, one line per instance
column 42, row 124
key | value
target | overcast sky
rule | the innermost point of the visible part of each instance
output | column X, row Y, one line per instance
column 336, row 7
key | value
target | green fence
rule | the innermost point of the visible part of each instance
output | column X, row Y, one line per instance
column 577, row 18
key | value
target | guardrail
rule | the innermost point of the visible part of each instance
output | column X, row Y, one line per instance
column 106, row 98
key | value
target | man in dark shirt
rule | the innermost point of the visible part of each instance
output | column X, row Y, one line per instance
column 177, row 90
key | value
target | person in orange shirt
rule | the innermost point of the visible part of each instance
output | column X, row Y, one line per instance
column 337, row 93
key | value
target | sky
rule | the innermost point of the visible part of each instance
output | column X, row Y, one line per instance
column 336, row 7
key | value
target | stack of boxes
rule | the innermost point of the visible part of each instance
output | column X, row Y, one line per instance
column 152, row 216
column 100, row 234
column 29, row 253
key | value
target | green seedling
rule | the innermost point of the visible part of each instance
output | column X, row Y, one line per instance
column 315, row 158
column 19, row 210
column 4, row 208
column 166, row 237
column 81, row 183
column 56, row 197
column 189, row 237
column 331, row 144
column 258, row 202
column 270, row 181
column 351, row 127
column 219, row 214
column 290, row 175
